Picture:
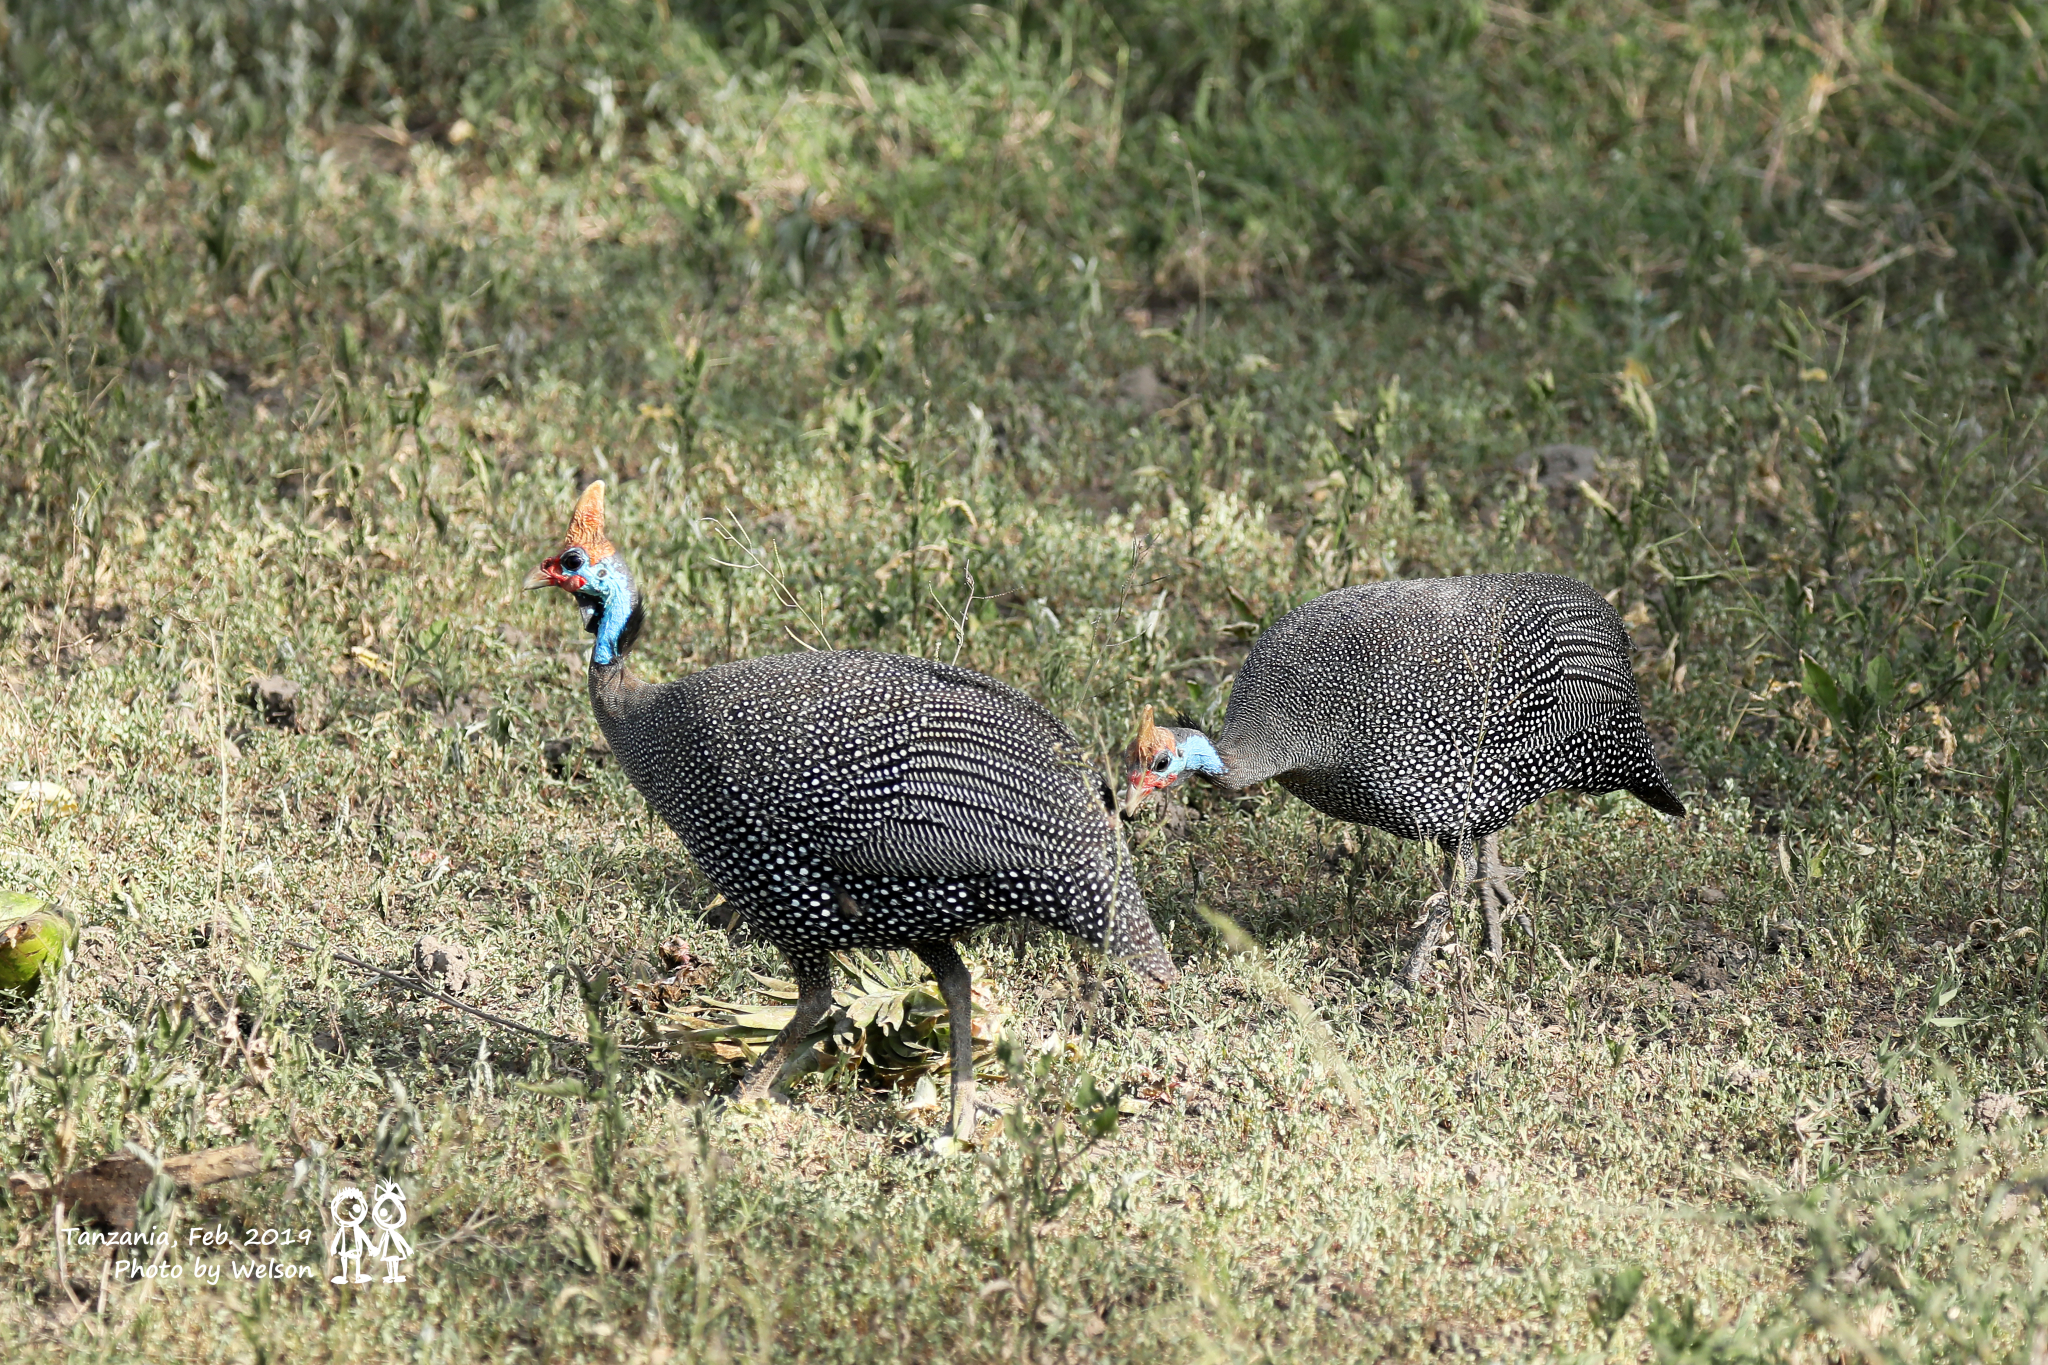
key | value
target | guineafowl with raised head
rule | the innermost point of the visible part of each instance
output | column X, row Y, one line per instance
column 846, row 799
column 1432, row 709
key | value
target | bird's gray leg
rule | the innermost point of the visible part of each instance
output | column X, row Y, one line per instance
column 1356, row 880
column 1494, row 893
column 956, row 984
column 1440, row 907
column 813, row 973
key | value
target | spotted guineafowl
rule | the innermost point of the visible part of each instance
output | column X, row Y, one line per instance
column 1432, row 709
column 848, row 799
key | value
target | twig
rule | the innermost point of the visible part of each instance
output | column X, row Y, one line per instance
column 63, row 1270
column 220, row 747
column 1195, row 178
column 758, row 562
column 959, row 626
column 430, row 993
column 478, row 1218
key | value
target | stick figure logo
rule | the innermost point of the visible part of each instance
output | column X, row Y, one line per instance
column 351, row 1243
column 389, row 1215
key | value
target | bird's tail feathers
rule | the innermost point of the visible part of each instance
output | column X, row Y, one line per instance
column 1131, row 933
column 1655, row 792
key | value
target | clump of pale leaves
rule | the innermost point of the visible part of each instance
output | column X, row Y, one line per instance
column 887, row 1019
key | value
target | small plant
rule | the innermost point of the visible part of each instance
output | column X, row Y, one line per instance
column 1679, row 1336
column 2005, row 792
column 1038, row 1170
column 1614, row 1294
column 431, row 653
column 1859, row 706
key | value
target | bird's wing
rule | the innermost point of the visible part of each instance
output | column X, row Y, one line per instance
column 1565, row 670
column 921, row 770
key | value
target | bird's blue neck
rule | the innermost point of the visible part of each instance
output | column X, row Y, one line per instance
column 610, row 623
column 1198, row 755
column 612, row 588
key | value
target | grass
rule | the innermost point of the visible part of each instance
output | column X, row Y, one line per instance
column 1077, row 342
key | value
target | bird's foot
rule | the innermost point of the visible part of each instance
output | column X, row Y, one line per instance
column 978, row 1122
column 1501, row 905
column 953, row 1142
column 1495, row 887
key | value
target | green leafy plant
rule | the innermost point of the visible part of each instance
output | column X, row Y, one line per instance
column 1678, row 1336
column 1859, row 706
column 2005, row 792
column 1038, row 1170
column 1614, row 1294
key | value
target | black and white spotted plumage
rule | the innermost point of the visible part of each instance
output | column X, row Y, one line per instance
column 850, row 799
column 1433, row 709
column 1438, row 708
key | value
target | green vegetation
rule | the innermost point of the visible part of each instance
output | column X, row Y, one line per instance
column 32, row 941
column 1075, row 341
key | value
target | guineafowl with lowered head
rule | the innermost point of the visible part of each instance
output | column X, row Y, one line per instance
column 1432, row 709
column 845, row 799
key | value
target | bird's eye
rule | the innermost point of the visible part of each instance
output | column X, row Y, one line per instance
column 572, row 560
column 1161, row 762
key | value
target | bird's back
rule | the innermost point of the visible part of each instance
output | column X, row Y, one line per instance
column 1441, row 706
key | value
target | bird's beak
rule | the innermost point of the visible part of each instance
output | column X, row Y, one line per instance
column 1143, row 783
column 546, row 576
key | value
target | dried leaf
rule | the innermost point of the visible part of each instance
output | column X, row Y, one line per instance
column 888, row 1019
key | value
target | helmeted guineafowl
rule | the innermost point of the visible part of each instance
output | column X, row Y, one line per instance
column 1433, row 709
column 848, row 799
